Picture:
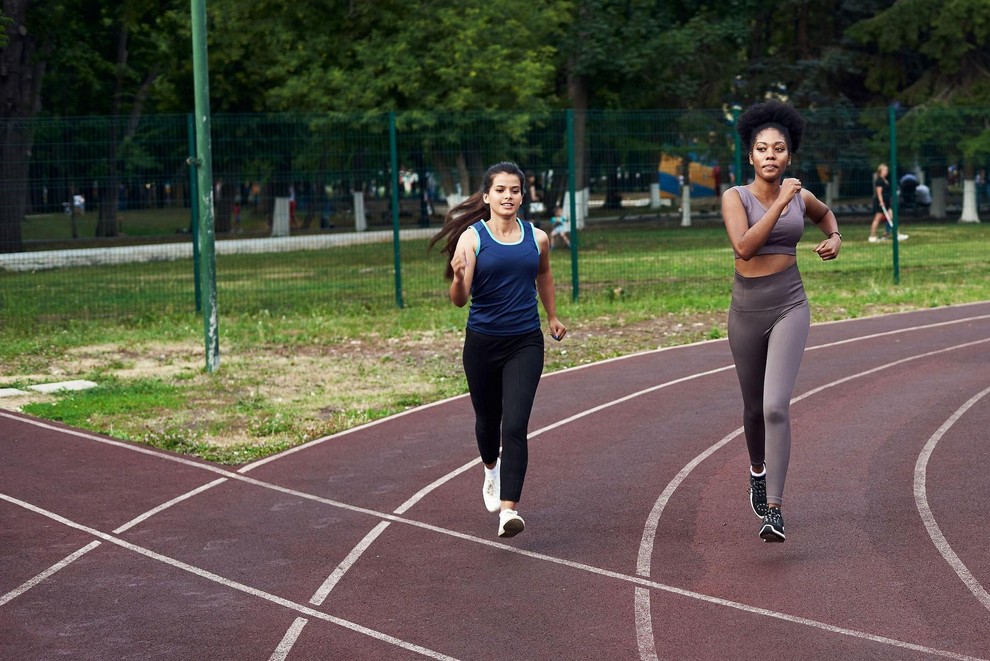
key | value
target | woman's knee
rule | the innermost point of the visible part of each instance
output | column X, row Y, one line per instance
column 777, row 413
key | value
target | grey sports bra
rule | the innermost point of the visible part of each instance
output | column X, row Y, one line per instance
column 786, row 233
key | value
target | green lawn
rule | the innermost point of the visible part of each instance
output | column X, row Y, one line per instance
column 275, row 308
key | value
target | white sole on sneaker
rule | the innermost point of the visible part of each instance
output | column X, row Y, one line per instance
column 769, row 534
column 510, row 526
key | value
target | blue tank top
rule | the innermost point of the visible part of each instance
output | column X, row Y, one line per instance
column 786, row 233
column 503, row 291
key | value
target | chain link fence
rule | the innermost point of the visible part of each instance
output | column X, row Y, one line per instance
column 96, row 216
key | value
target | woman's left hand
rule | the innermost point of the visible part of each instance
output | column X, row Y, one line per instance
column 557, row 329
column 829, row 248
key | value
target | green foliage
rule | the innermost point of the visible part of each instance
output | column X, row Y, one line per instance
column 330, row 55
column 929, row 51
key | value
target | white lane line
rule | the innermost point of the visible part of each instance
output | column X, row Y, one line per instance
column 338, row 573
column 898, row 331
column 89, row 547
column 645, row 554
column 65, row 562
column 356, row 553
column 133, row 447
column 164, row 506
column 646, row 547
column 590, row 569
column 314, row 443
column 921, row 500
column 653, row 520
column 422, row 493
column 644, row 622
column 92, row 545
column 284, row 647
column 234, row 585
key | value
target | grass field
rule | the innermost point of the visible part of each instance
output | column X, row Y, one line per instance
column 313, row 343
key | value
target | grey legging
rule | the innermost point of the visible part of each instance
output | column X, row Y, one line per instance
column 768, row 330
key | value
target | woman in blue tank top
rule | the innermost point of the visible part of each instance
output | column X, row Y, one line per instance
column 501, row 264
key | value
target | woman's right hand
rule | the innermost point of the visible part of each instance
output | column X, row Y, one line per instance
column 789, row 188
column 459, row 264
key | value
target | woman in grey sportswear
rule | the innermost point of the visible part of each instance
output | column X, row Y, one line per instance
column 769, row 317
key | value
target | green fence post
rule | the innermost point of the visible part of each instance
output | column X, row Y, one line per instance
column 204, row 163
column 572, row 185
column 194, row 209
column 895, row 212
column 393, row 149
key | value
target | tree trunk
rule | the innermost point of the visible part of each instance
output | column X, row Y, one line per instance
column 577, row 92
column 21, row 71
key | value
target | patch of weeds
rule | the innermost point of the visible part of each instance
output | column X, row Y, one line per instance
column 188, row 443
column 409, row 401
column 272, row 425
column 113, row 399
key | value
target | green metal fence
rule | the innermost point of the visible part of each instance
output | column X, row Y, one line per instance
column 308, row 207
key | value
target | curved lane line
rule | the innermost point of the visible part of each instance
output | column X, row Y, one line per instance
column 921, row 500
column 645, row 638
column 331, row 581
column 597, row 571
column 319, row 441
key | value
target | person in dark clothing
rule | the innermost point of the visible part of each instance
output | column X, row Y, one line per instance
column 881, row 201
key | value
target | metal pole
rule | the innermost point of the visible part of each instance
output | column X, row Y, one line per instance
column 204, row 163
column 571, row 186
column 394, row 151
column 892, row 120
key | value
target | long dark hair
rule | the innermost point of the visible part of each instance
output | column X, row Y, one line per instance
column 471, row 210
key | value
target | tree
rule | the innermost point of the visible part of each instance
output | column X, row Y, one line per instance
column 108, row 58
column 929, row 54
column 22, row 66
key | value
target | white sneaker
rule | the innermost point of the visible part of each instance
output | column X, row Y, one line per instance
column 873, row 239
column 491, row 490
column 510, row 523
column 902, row 237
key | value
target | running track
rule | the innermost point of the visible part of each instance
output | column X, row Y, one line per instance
column 640, row 544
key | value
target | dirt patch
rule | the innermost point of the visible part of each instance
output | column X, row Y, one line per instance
column 290, row 394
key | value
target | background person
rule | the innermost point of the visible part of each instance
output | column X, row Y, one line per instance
column 881, row 201
column 559, row 230
column 769, row 317
column 501, row 263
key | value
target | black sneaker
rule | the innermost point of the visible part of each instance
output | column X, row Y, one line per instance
column 772, row 529
column 758, row 493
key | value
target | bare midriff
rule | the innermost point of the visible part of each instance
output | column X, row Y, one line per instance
column 761, row 265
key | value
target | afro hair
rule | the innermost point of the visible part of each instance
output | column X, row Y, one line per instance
column 772, row 114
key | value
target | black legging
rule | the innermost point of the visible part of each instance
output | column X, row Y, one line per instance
column 503, row 374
